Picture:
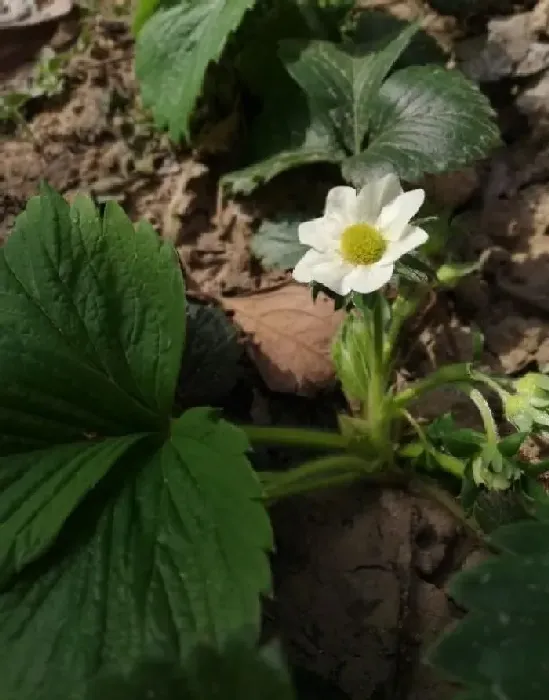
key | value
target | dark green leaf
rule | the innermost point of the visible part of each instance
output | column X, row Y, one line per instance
column 210, row 363
column 425, row 119
column 170, row 554
column 143, row 10
column 173, row 51
column 413, row 269
column 492, row 509
column 371, row 27
column 40, row 489
column 341, row 84
column 277, row 245
column 238, row 672
column 500, row 647
column 510, row 445
column 315, row 149
column 91, row 331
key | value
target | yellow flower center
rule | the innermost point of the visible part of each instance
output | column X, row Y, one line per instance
column 362, row 244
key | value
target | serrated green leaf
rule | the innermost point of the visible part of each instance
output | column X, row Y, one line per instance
column 425, row 119
column 501, row 644
column 277, row 245
column 170, row 552
column 210, row 362
column 340, row 83
column 91, row 331
column 173, row 51
column 237, row 672
column 40, row 489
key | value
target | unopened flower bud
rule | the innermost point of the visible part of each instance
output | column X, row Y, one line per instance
column 350, row 352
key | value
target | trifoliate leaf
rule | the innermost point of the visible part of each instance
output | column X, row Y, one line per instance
column 91, row 332
column 341, row 84
column 210, row 362
column 173, row 51
column 500, row 647
column 171, row 552
column 425, row 119
column 277, row 245
column 238, row 672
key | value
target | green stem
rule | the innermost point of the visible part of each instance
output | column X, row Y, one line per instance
column 378, row 420
column 324, row 473
column 275, row 492
column 451, row 465
column 295, row 437
column 403, row 308
column 491, row 383
column 451, row 374
column 486, row 414
column 426, row 487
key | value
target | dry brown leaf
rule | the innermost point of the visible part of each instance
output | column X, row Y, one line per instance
column 291, row 337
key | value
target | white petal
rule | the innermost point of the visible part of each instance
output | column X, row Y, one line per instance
column 375, row 195
column 413, row 238
column 329, row 270
column 320, row 234
column 396, row 216
column 341, row 204
column 367, row 278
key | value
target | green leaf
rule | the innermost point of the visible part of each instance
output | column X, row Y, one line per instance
column 170, row 551
column 370, row 25
column 315, row 149
column 340, row 83
column 449, row 274
column 500, row 647
column 210, row 363
column 173, row 51
column 412, row 268
column 237, row 672
column 492, row 509
column 39, row 491
column 425, row 119
column 277, row 245
column 91, row 330
column 143, row 10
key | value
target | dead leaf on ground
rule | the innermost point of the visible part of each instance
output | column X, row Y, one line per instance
column 291, row 337
column 28, row 13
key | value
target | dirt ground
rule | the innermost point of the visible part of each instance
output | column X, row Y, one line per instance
column 361, row 574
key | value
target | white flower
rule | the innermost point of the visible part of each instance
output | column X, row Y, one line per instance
column 355, row 245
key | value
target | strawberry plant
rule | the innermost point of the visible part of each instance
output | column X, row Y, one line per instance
column 135, row 537
column 353, row 88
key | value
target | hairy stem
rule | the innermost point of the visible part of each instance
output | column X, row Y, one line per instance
column 451, row 374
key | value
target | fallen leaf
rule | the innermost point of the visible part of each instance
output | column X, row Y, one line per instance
column 25, row 13
column 291, row 337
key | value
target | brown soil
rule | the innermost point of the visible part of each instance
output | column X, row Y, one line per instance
column 361, row 574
